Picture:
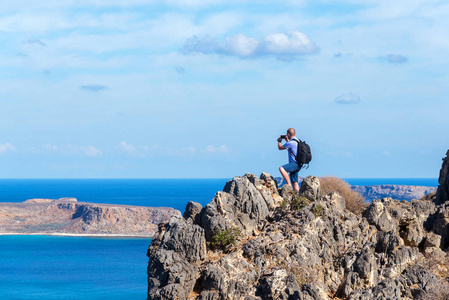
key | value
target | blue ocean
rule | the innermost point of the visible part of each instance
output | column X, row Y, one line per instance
column 51, row 267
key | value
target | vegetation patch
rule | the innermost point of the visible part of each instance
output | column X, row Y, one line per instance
column 299, row 203
column 355, row 202
column 317, row 210
column 283, row 205
column 225, row 238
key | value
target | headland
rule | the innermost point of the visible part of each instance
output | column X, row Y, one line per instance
column 68, row 217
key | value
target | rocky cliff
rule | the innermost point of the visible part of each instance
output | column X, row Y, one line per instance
column 67, row 216
column 443, row 189
column 255, row 241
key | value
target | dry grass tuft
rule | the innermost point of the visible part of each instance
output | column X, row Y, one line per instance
column 355, row 202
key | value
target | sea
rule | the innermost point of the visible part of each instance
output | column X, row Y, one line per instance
column 61, row 267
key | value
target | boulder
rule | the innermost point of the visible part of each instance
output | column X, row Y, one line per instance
column 192, row 212
column 310, row 188
column 378, row 215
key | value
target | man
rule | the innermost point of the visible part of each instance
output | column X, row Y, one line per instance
column 290, row 171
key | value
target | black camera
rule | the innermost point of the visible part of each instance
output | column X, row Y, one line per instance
column 283, row 137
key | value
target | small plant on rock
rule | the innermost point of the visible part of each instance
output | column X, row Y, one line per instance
column 317, row 210
column 224, row 238
column 299, row 203
column 283, row 205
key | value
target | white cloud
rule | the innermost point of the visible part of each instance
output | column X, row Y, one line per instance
column 347, row 98
column 131, row 149
column 91, row 151
column 291, row 43
column 7, row 147
column 284, row 46
column 240, row 45
column 213, row 149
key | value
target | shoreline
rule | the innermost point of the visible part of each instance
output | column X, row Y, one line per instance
column 102, row 235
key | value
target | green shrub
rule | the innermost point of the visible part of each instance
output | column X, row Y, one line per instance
column 283, row 205
column 225, row 238
column 299, row 203
column 317, row 211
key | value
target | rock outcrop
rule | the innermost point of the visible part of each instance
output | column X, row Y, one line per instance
column 67, row 216
column 443, row 189
column 255, row 241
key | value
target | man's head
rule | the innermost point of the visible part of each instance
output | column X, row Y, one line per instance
column 291, row 133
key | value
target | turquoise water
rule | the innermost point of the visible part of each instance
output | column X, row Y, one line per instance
column 142, row 192
column 49, row 267
column 44, row 267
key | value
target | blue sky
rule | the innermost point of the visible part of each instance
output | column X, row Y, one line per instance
column 190, row 88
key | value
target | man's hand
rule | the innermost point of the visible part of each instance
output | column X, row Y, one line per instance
column 280, row 146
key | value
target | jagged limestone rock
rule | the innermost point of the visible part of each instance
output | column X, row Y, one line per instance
column 175, row 252
column 278, row 285
column 193, row 212
column 231, row 276
column 414, row 283
column 443, row 189
column 244, row 203
column 310, row 188
column 316, row 250
column 378, row 215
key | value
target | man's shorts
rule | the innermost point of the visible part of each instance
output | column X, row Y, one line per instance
column 293, row 170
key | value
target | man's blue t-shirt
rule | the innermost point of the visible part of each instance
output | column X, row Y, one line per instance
column 292, row 147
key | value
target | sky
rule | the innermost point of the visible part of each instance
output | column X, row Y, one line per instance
column 203, row 88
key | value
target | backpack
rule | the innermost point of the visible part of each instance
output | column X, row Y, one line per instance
column 303, row 153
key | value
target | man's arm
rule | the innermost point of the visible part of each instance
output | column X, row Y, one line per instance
column 280, row 146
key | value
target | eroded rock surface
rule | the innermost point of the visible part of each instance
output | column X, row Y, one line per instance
column 301, row 246
column 443, row 189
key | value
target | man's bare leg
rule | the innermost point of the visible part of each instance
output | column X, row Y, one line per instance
column 296, row 186
column 285, row 176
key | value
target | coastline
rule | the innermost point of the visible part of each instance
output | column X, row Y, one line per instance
column 67, row 217
column 102, row 235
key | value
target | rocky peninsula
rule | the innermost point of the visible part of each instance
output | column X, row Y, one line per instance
column 256, row 241
column 67, row 216
column 399, row 192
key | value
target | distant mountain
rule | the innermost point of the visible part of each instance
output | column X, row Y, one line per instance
column 399, row 192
